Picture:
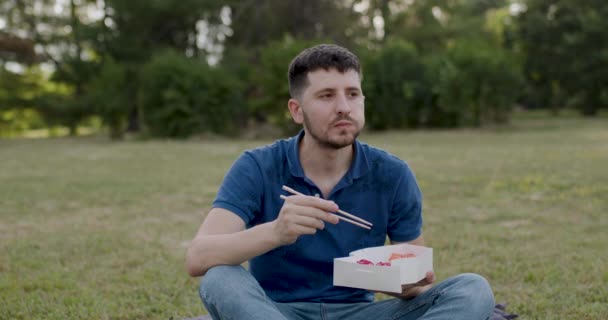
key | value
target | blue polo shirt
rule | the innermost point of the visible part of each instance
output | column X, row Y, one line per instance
column 378, row 187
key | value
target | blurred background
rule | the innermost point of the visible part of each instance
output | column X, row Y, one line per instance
column 170, row 68
column 119, row 119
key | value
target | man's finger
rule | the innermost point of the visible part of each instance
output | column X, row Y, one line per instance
column 309, row 222
column 428, row 279
column 316, row 202
column 314, row 212
column 305, row 230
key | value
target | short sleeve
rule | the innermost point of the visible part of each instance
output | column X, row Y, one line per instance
column 405, row 222
column 242, row 188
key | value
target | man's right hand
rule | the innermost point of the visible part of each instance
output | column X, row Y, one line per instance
column 301, row 215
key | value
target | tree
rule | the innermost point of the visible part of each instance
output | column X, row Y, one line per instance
column 477, row 84
column 257, row 23
column 565, row 43
column 432, row 25
column 132, row 31
column 184, row 96
column 36, row 33
column 263, row 37
column 77, row 38
column 397, row 87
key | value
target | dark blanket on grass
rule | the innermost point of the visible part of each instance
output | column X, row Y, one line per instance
column 500, row 313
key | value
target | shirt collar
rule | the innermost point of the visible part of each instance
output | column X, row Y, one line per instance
column 358, row 168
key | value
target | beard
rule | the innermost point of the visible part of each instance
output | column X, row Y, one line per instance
column 344, row 138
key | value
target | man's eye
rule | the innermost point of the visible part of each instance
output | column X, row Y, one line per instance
column 325, row 96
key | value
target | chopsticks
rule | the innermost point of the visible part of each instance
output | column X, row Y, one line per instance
column 364, row 224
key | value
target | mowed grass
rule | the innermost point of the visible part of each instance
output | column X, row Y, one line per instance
column 91, row 229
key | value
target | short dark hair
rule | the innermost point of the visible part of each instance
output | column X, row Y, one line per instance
column 324, row 56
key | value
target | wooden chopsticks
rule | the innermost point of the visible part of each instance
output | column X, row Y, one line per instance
column 364, row 224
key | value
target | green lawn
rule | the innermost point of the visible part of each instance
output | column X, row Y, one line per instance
column 98, row 230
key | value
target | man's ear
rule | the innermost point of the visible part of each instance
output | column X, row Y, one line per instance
column 295, row 109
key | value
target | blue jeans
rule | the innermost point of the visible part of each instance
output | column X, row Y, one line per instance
column 231, row 292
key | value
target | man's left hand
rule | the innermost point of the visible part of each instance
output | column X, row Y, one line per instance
column 409, row 291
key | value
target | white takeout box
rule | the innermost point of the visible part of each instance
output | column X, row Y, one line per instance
column 348, row 273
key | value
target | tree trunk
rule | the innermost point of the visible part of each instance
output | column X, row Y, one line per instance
column 589, row 109
column 133, row 116
column 73, row 130
column 116, row 129
column 591, row 104
column 133, row 120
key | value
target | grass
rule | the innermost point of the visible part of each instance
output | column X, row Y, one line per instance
column 98, row 230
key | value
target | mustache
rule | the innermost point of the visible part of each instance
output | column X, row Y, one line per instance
column 342, row 118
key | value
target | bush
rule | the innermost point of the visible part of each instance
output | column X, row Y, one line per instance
column 13, row 122
column 182, row 96
column 111, row 95
column 476, row 84
column 58, row 109
column 30, row 101
column 467, row 85
column 396, row 87
column 272, row 88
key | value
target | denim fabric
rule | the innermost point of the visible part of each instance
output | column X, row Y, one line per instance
column 231, row 292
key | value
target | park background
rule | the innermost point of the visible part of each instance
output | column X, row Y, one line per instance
column 118, row 120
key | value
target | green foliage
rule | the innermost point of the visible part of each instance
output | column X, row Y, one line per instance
column 142, row 27
column 110, row 93
column 476, row 84
column 18, row 90
column 59, row 109
column 259, row 24
column 565, row 44
column 30, row 100
column 433, row 25
column 396, row 87
column 470, row 84
column 16, row 121
column 442, row 63
column 75, row 72
column 183, row 96
column 270, row 85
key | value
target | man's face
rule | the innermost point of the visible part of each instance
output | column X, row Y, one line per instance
column 332, row 107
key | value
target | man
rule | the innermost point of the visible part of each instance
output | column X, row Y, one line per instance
column 290, row 244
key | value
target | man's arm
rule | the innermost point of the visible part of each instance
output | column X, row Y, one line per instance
column 406, row 222
column 223, row 240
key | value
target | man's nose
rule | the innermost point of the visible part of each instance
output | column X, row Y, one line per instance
column 342, row 104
